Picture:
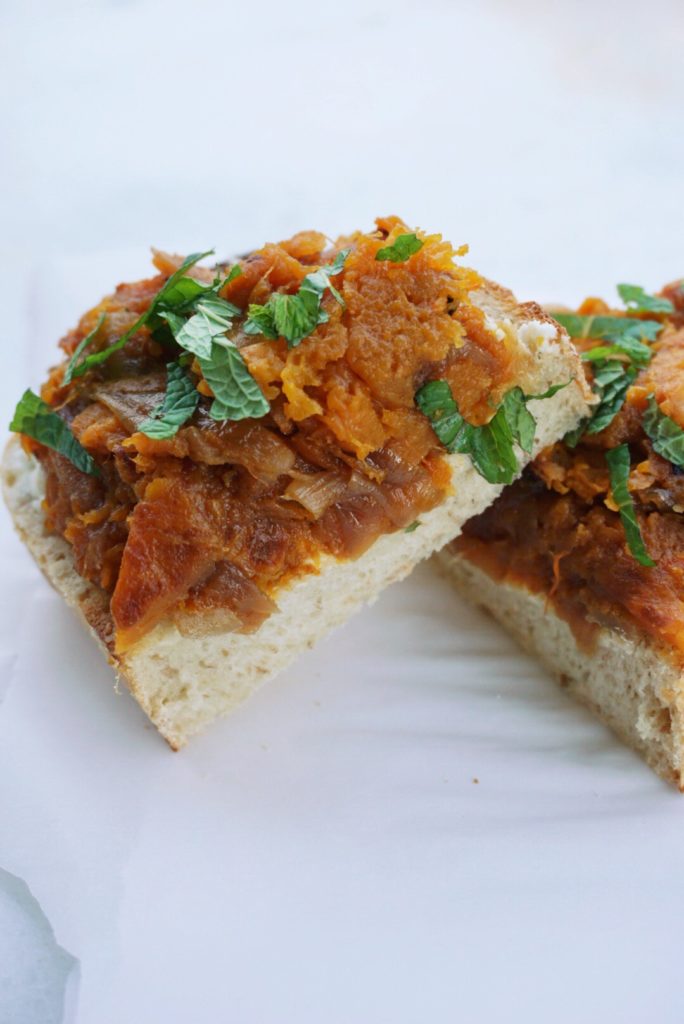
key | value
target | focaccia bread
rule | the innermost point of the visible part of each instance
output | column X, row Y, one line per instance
column 230, row 462
column 582, row 559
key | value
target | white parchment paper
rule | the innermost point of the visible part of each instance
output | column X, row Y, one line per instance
column 325, row 856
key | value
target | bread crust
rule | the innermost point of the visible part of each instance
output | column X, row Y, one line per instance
column 183, row 683
column 626, row 680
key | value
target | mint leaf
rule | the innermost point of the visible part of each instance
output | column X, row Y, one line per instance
column 612, row 380
column 34, row 418
column 172, row 294
column 180, row 402
column 638, row 301
column 214, row 305
column 614, row 329
column 401, row 249
column 337, row 265
column 183, row 295
column 237, row 395
column 520, row 420
column 666, row 436
column 491, row 447
column 612, row 377
column 260, row 320
column 573, row 437
column 295, row 317
column 436, row 401
column 550, row 392
column 183, row 292
column 82, row 345
column 619, row 461
column 234, row 272
column 639, row 353
column 212, row 319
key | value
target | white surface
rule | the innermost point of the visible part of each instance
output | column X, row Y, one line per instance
column 325, row 857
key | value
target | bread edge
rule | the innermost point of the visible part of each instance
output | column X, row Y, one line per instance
column 627, row 681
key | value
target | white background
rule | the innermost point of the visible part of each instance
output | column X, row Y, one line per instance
column 324, row 857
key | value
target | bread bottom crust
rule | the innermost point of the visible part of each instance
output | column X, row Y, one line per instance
column 628, row 682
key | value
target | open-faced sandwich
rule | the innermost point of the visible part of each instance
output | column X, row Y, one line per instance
column 230, row 461
column 583, row 557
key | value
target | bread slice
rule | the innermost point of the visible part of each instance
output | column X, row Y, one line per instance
column 629, row 682
column 182, row 682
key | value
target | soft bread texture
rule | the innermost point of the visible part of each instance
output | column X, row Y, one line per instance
column 183, row 683
column 628, row 682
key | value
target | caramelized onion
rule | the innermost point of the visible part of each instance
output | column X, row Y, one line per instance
column 316, row 491
column 262, row 453
column 209, row 623
column 225, row 602
column 132, row 399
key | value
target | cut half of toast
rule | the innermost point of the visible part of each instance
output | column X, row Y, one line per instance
column 630, row 683
column 206, row 553
column 582, row 558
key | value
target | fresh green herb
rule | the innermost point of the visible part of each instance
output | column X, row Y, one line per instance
column 618, row 330
column 401, row 249
column 638, row 301
column 612, row 380
column 550, row 391
column 34, row 418
column 179, row 294
column 235, row 271
column 666, row 436
column 185, row 292
column 202, row 334
column 180, row 402
column 237, row 395
column 172, row 295
column 412, row 526
column 436, row 401
column 182, row 295
column 295, row 317
column 185, row 295
column 573, row 437
column 612, row 376
column 261, row 320
column 636, row 351
column 519, row 418
column 82, row 345
column 212, row 318
column 491, row 446
column 618, row 460
column 337, row 265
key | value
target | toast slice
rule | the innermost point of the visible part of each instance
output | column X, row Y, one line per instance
column 582, row 558
column 185, row 675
